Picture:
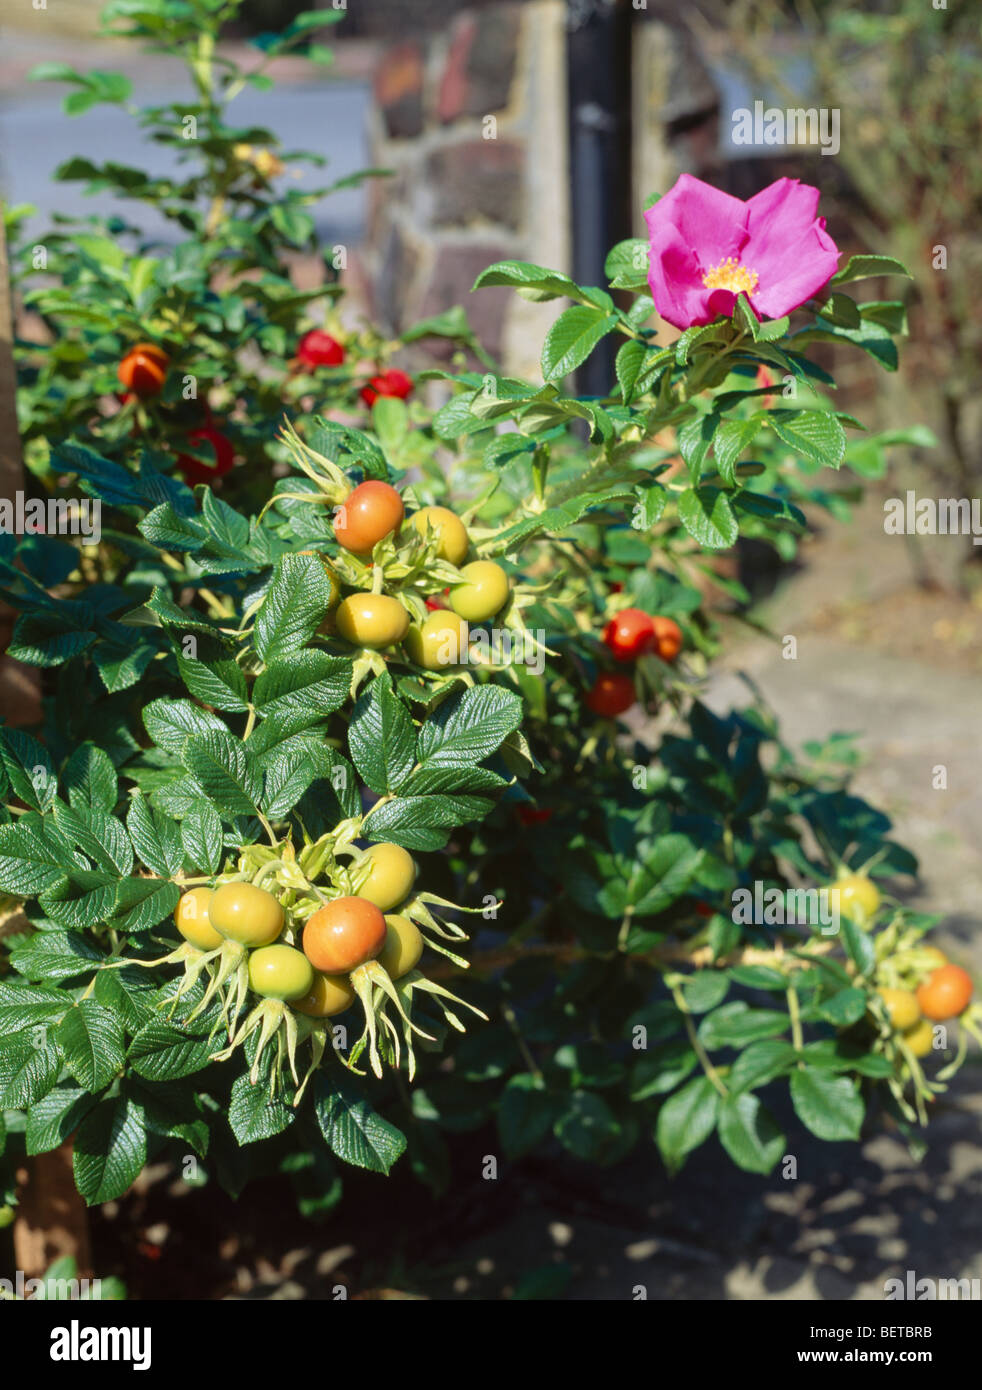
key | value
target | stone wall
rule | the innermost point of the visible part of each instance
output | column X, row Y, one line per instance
column 472, row 119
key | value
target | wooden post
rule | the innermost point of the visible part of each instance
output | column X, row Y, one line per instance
column 51, row 1218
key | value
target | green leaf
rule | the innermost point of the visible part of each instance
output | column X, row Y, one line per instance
column 100, row 836
column 170, row 723
column 54, row 1117
column 749, row 1134
column 526, row 1114
column 760, row 1063
column 28, row 766
column 661, row 1070
column 254, row 1114
column 587, row 1127
column 91, row 1042
column 292, row 222
column 155, row 837
column 110, row 1149
column 468, row 727
column 830, row 1106
column 423, row 822
column 302, row 691
column 293, row 607
column 628, row 364
column 572, row 338
column 355, row 1131
column 844, row 1007
column 27, row 1072
column 524, row 275
column 729, row 442
column 221, row 683
column 163, row 1051
column 736, row 1024
column 33, row 857
column 24, row 1006
column 201, row 837
column 686, row 1120
column 51, row 955
column 143, row 902
column 862, row 267
column 89, row 778
column 815, row 435
column 225, row 770
column 706, row 514
column 663, row 873
column 626, row 266
column 381, row 738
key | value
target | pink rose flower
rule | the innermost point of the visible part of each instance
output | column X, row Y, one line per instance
column 706, row 247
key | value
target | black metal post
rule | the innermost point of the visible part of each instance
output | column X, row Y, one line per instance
column 598, row 56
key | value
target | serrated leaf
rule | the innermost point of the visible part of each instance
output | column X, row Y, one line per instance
column 815, row 435
column 466, row 728
column 170, row 723
column 686, row 1120
column 97, row 834
column 54, row 1117
column 731, row 439
column 91, row 1042
column 628, row 363
column 303, row 690
column 110, row 1149
column 27, row 1072
column 220, row 683
column 225, row 771
column 254, row 1114
column 707, row 515
column 293, row 607
column 423, row 822
column 156, row 838
column 381, row 738
column 749, row 1134
column 32, row 861
column 163, row 1051
column 572, row 338
column 89, row 778
column 53, row 955
column 736, row 1024
column 201, row 837
column 862, row 267
column 830, row 1106
column 28, row 766
column 354, row 1131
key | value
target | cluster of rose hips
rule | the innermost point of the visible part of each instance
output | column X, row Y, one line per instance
column 374, row 511
column 353, row 946
column 631, row 634
column 341, row 935
column 941, row 991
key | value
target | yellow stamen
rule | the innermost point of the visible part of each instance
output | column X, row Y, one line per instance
column 731, row 275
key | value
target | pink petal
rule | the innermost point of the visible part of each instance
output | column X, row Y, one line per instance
column 675, row 279
column 787, row 246
column 812, row 263
column 710, row 221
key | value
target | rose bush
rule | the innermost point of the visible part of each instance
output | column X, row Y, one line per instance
column 332, row 793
